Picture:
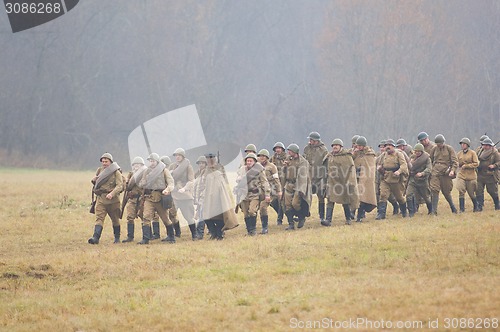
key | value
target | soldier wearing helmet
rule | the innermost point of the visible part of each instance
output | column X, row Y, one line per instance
column 158, row 184
column 183, row 175
column 134, row 194
column 444, row 170
column 365, row 162
column 108, row 184
column 418, row 182
column 271, row 172
column 423, row 138
column 200, row 224
column 342, row 187
column 251, row 185
column 393, row 170
column 405, row 147
column 297, row 184
column 315, row 153
column 488, row 173
column 278, row 159
column 467, row 177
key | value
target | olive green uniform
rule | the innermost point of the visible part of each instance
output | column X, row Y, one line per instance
column 488, row 176
column 467, row 177
column 104, row 206
column 389, row 182
column 444, row 160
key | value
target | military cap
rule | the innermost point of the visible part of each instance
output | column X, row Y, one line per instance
column 180, row 152
column 251, row 147
column 107, row 155
column 354, row 138
column 439, row 139
column 251, row 155
column 314, row 136
column 487, row 141
column 422, row 135
column 400, row 141
column 337, row 141
column 138, row 160
column 361, row 141
column 390, row 142
column 418, row 147
column 263, row 152
column 166, row 160
column 278, row 145
column 465, row 140
column 294, row 148
column 201, row 159
column 154, row 156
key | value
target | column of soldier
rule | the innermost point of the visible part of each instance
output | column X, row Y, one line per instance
column 357, row 177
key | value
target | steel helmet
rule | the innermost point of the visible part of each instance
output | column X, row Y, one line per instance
column 361, row 141
column 418, row 147
column 263, row 152
column 439, row 139
column 465, row 140
column 422, row 135
column 154, row 156
column 487, row 141
column 400, row 141
column 278, row 145
column 138, row 160
column 201, row 159
column 180, row 152
column 107, row 155
column 354, row 139
column 390, row 142
column 166, row 160
column 337, row 141
column 294, row 148
column 251, row 155
column 251, row 147
column 314, row 136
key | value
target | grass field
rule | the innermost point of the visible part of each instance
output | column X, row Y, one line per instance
column 412, row 272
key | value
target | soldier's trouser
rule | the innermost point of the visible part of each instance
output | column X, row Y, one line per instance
column 419, row 191
column 491, row 188
column 468, row 186
column 149, row 212
column 187, row 208
column 441, row 182
column 112, row 210
column 132, row 210
column 395, row 188
column 292, row 200
column 250, row 207
column 263, row 208
column 172, row 213
column 277, row 206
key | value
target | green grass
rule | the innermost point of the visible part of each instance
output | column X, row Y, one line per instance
column 400, row 269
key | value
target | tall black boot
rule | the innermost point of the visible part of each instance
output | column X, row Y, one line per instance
column 402, row 207
column 97, row 235
column 265, row 223
column 474, row 204
column 480, row 202
column 347, row 213
column 361, row 212
column 321, row 211
column 211, row 229
column 435, row 202
column 328, row 219
column 253, row 225
column 461, row 203
column 170, row 234
column 247, row 225
column 410, row 202
column 395, row 205
column 219, row 233
column 177, row 229
column 429, row 208
column 146, row 234
column 156, row 230
column 280, row 215
column 450, row 202
column 496, row 202
column 200, row 228
column 130, row 233
column 291, row 222
column 116, row 233
column 381, row 210
column 194, row 233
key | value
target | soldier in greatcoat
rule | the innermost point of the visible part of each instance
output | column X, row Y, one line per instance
column 418, row 183
column 488, row 173
column 272, row 176
column 278, row 159
column 314, row 153
column 364, row 160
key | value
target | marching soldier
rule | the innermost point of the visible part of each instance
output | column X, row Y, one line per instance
column 488, row 173
column 393, row 169
column 418, row 183
column 444, row 168
column 405, row 147
column 251, row 183
column 364, row 161
column 172, row 212
column 158, row 184
column 423, row 138
column 391, row 199
column 183, row 175
column 278, row 159
column 108, row 184
column 315, row 153
column 271, row 172
column 297, row 187
column 134, row 193
column 342, row 187
column 467, row 177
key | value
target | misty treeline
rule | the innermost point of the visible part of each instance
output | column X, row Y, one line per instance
column 258, row 72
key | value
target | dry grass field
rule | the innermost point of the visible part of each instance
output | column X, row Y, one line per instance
column 401, row 271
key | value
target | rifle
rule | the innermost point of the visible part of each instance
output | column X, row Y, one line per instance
column 92, row 205
column 124, row 202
